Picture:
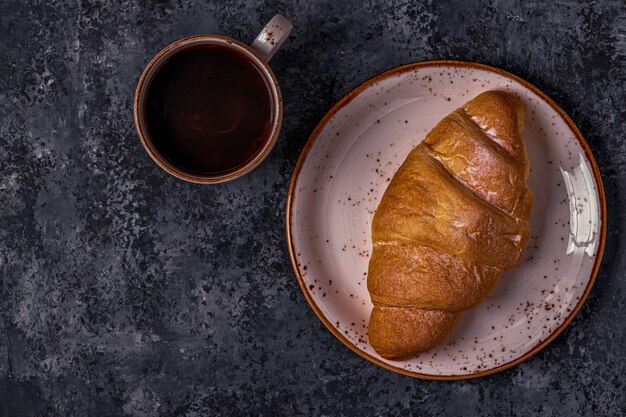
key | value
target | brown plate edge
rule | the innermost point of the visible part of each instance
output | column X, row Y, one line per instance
column 452, row 63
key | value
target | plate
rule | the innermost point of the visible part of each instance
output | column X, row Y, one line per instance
column 345, row 167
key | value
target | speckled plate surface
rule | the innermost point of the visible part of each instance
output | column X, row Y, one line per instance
column 345, row 168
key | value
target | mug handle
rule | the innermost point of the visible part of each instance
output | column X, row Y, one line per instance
column 272, row 37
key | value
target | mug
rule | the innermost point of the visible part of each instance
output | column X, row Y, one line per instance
column 265, row 45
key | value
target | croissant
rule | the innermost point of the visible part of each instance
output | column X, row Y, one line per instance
column 454, row 216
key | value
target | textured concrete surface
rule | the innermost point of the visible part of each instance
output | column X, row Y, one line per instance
column 124, row 291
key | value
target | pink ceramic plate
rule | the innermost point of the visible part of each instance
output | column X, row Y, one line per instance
column 345, row 168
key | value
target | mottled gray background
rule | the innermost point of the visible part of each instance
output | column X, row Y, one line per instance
column 125, row 291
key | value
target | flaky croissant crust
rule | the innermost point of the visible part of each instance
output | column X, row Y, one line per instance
column 454, row 216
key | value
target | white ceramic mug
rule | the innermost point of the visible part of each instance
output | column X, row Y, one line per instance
column 262, row 49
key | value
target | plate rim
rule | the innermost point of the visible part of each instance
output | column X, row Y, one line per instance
column 346, row 99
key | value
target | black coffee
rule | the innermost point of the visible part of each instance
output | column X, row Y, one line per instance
column 209, row 109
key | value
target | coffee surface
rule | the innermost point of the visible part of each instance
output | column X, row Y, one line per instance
column 209, row 109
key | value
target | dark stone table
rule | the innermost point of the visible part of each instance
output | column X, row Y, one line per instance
column 124, row 291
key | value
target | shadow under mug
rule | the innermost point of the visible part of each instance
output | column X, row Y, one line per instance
column 265, row 45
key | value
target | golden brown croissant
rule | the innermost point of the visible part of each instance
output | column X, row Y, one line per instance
column 454, row 216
